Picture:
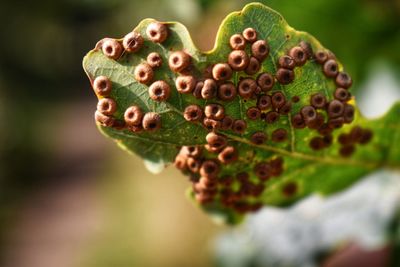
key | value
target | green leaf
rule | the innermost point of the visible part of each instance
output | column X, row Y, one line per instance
column 304, row 170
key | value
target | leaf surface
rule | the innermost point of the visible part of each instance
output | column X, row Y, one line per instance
column 304, row 170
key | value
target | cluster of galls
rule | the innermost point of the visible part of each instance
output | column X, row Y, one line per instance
column 215, row 85
column 205, row 164
column 269, row 106
column 134, row 118
column 357, row 135
column 240, row 192
column 208, row 187
column 337, row 111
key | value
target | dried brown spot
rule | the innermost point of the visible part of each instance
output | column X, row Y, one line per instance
column 344, row 80
column 324, row 129
column 316, row 123
column 144, row 73
column 185, row 84
column 193, row 164
column 154, row 59
column 239, row 126
column 347, row 151
column 222, row 72
column 317, row 143
column 178, row 61
column 260, row 49
column 107, row 106
column 348, row 113
column 157, row 32
column 258, row 138
column 209, row 169
column 307, row 49
column 278, row 99
column 151, row 121
column 344, row 139
column 299, row 55
column 246, row 88
column 111, row 48
column 214, row 111
column 228, row 154
column 238, row 60
column 132, row 42
column 272, row 117
column 104, row 120
column 211, row 124
column 192, row 151
column 284, row 76
column 286, row 108
column 286, row 62
column 321, row 56
column 197, row 90
column 159, row 91
column 253, row 113
column 277, row 163
column 180, row 162
column 318, row 100
column 263, row 171
column 215, row 141
column 226, row 123
column 237, row 42
column 206, row 183
column 331, row 68
column 227, row 91
column 265, row 81
column 355, row 134
column 102, row 86
column 336, row 123
column 366, row 136
column 264, row 102
column 253, row 67
column 335, row 109
column 298, row 122
column 308, row 113
column 341, row 94
column 209, row 89
column 250, row 35
column 133, row 116
column 279, row 135
column 289, row 189
column 193, row 113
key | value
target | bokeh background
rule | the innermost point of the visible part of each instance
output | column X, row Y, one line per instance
column 70, row 197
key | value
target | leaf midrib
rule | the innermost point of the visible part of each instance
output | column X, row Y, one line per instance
column 321, row 159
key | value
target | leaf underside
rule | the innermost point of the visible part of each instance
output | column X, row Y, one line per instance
column 304, row 170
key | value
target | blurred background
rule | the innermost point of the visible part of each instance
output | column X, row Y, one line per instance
column 69, row 196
